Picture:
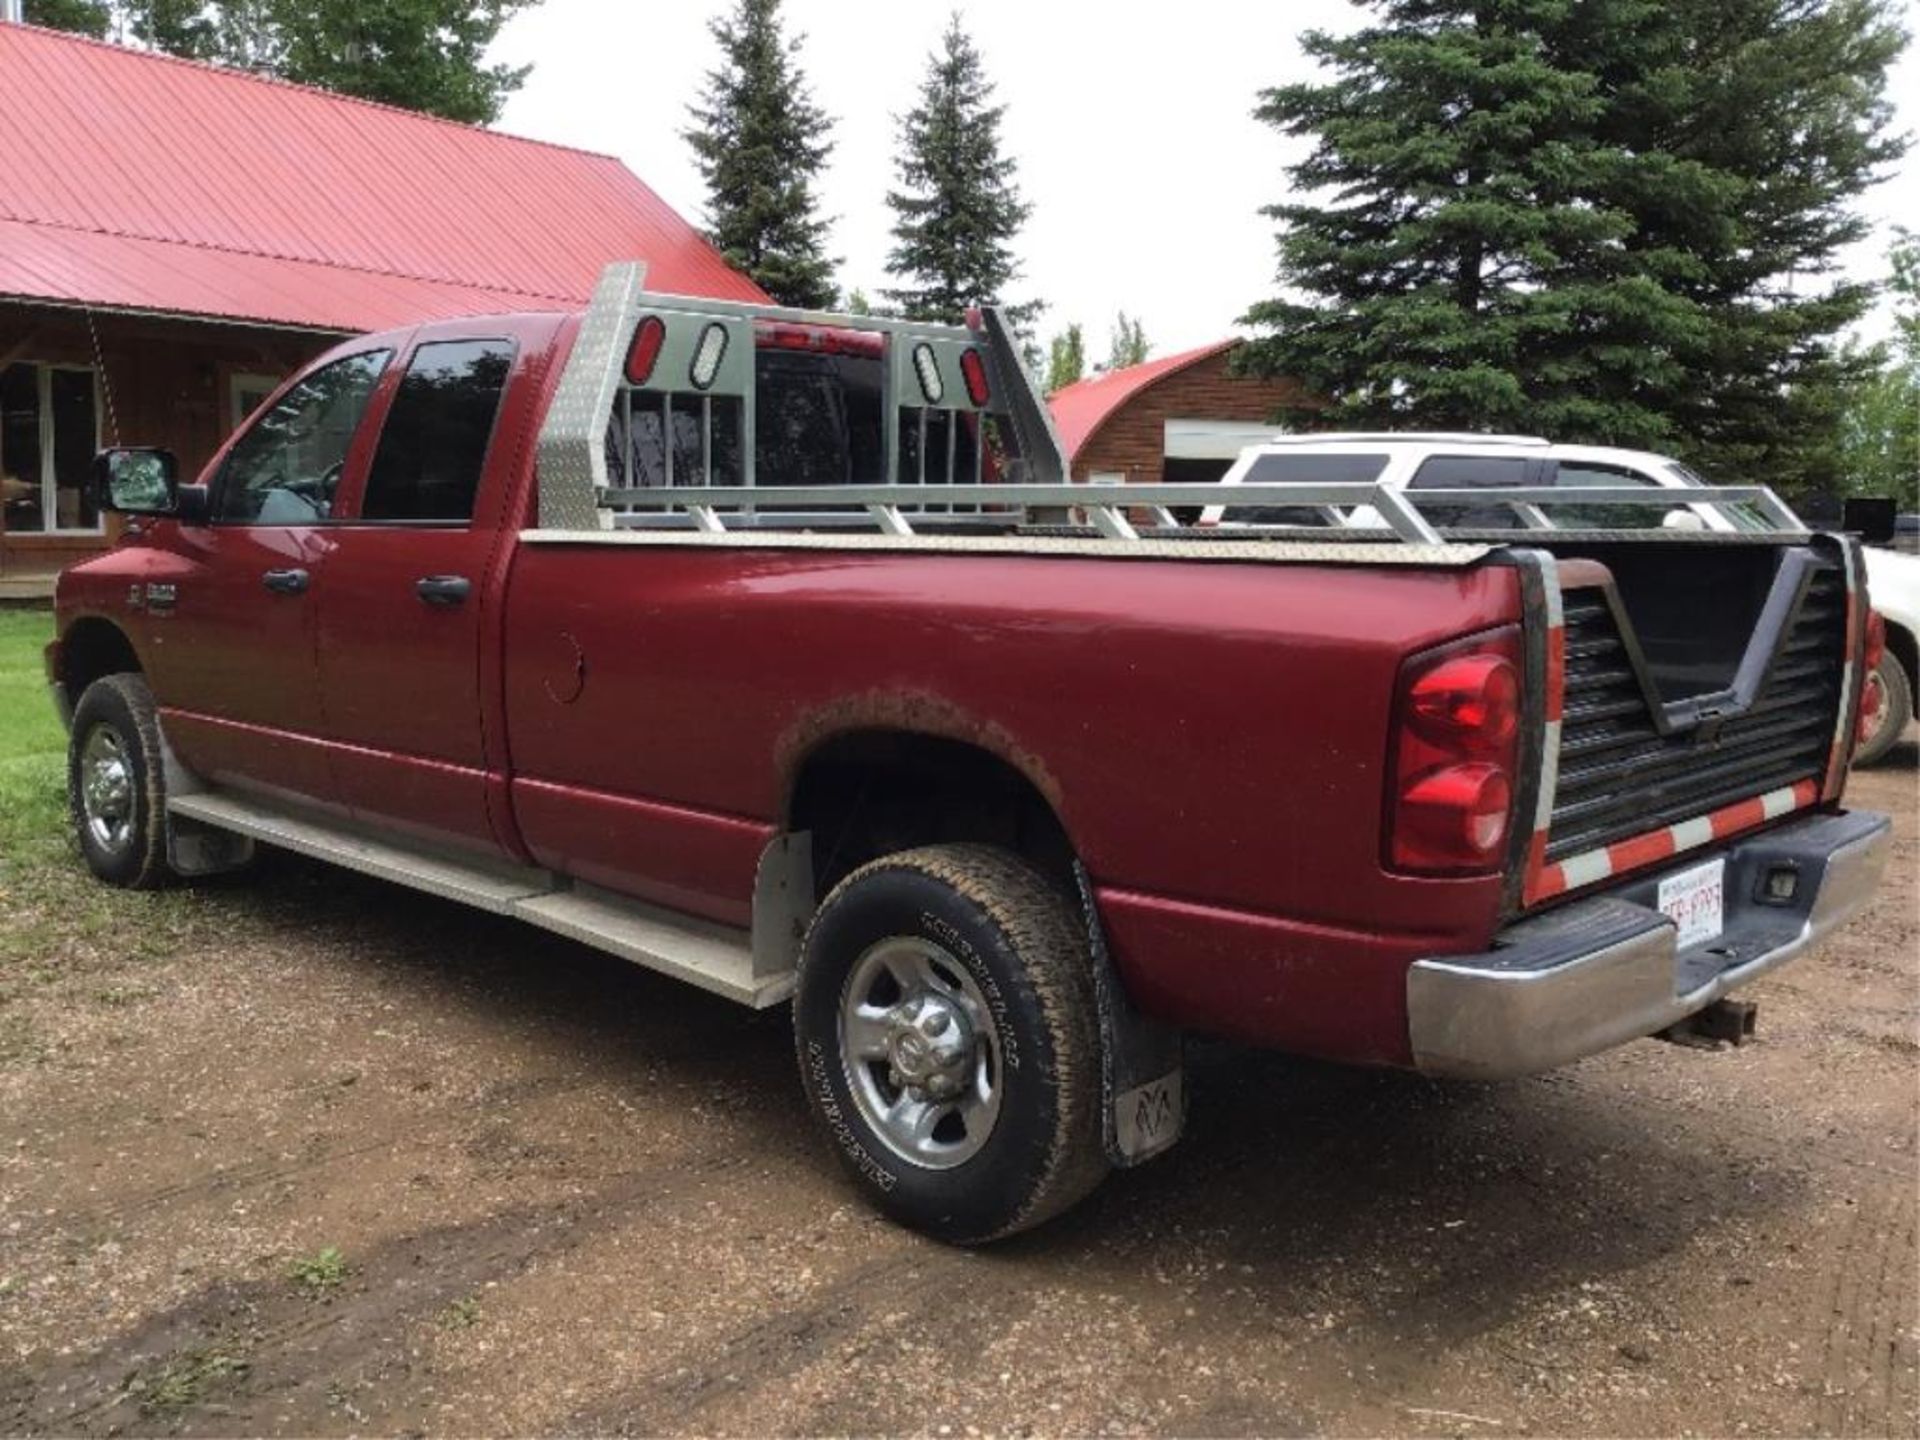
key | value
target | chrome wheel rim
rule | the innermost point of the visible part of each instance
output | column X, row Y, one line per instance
column 921, row 1054
column 106, row 788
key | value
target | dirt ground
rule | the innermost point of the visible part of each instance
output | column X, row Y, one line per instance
column 351, row 1160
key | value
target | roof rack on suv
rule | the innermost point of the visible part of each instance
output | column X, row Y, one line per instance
column 1404, row 437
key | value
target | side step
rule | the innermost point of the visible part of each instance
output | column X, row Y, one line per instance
column 717, row 958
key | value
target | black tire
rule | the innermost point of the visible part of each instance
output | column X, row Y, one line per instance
column 1896, row 712
column 116, row 716
column 1026, row 954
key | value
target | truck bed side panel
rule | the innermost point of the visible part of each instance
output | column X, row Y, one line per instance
column 1208, row 734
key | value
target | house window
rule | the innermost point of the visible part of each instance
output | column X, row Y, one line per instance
column 49, row 430
column 246, row 394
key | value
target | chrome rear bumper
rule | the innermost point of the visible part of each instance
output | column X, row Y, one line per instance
column 1607, row 969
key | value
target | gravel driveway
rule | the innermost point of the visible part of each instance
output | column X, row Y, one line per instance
column 346, row 1159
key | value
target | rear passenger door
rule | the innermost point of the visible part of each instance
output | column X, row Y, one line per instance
column 404, row 614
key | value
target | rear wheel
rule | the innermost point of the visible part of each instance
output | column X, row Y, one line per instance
column 116, row 793
column 1889, row 706
column 948, row 1040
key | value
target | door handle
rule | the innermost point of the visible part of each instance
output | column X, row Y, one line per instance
column 285, row 582
column 442, row 589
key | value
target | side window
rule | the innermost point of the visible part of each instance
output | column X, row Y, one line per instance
column 1581, row 474
column 434, row 442
column 285, row 469
column 1472, row 472
column 1303, row 470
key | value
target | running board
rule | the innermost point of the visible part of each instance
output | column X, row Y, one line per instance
column 716, row 958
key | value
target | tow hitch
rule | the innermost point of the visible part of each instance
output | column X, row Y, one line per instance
column 1724, row 1021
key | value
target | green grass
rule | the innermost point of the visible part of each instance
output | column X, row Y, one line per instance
column 32, row 745
column 183, row 1379
column 33, row 829
column 63, row 935
column 319, row 1274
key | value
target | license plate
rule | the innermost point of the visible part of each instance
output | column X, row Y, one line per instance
column 1695, row 900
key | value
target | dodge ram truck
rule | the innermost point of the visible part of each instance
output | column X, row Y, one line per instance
column 774, row 651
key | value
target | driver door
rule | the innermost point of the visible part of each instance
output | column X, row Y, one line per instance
column 237, row 675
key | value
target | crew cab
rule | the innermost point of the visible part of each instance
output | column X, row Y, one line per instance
column 773, row 651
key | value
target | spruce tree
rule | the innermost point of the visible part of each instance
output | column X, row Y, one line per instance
column 82, row 17
column 760, row 142
column 1610, row 221
column 957, row 207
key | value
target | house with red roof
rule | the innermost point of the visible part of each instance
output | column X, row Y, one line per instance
column 1179, row 418
column 176, row 238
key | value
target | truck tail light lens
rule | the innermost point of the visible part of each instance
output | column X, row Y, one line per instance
column 1456, row 736
column 1468, row 701
column 648, row 336
column 974, row 371
column 1872, row 696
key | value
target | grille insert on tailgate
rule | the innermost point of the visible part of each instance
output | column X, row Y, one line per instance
column 1620, row 777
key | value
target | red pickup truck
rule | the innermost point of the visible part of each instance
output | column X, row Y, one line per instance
column 772, row 651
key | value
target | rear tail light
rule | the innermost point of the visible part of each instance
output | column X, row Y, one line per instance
column 648, row 336
column 1456, row 736
column 1872, row 696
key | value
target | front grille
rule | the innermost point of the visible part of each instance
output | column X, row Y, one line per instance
column 1620, row 777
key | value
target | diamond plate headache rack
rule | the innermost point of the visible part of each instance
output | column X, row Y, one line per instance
column 705, row 353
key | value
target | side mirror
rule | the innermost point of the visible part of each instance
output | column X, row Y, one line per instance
column 1872, row 518
column 136, row 482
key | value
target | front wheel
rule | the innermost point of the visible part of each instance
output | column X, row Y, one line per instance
column 116, row 783
column 949, row 1043
column 1889, row 708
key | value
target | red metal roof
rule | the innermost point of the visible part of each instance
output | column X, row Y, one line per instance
column 1083, row 407
column 146, row 182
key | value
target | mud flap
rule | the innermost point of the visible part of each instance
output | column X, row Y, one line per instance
column 1142, row 1082
column 196, row 849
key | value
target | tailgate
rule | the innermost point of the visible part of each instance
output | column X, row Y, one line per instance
column 1693, row 692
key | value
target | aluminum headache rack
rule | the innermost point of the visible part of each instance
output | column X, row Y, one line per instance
column 662, row 389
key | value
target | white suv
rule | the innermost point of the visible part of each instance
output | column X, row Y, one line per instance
column 1415, row 461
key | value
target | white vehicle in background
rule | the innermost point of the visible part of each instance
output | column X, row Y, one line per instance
column 1416, row 461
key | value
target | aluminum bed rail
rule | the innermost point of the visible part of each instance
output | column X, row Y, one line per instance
column 1111, row 509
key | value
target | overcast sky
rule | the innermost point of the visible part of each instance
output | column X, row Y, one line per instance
column 1135, row 140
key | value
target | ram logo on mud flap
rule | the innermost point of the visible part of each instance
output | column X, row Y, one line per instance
column 1148, row 1118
